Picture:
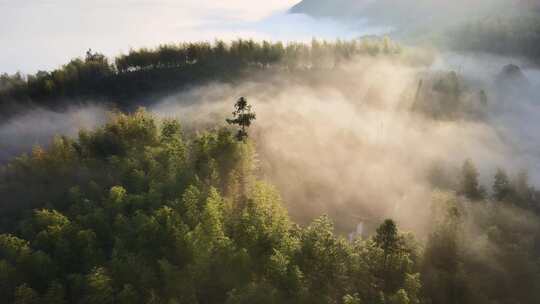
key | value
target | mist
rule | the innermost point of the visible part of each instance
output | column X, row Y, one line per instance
column 345, row 141
column 37, row 127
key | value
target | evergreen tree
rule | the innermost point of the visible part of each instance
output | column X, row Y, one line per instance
column 469, row 185
column 117, row 216
column 26, row 295
column 242, row 117
column 387, row 237
column 502, row 189
column 442, row 271
column 523, row 191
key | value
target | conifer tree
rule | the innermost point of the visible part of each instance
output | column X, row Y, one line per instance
column 242, row 117
column 469, row 186
column 501, row 186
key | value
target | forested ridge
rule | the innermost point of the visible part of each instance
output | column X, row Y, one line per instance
column 499, row 27
column 138, row 211
column 142, row 76
column 503, row 35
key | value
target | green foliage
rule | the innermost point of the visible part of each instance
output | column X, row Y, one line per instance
column 502, row 189
column 475, row 249
column 145, row 73
column 55, row 294
column 354, row 299
column 99, row 287
column 443, row 269
column 135, row 212
column 445, row 96
column 387, row 237
column 469, row 185
column 511, row 34
column 242, row 117
column 25, row 295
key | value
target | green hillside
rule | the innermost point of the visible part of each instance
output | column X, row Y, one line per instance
column 137, row 211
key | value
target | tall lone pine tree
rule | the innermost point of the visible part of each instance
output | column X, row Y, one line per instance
column 242, row 117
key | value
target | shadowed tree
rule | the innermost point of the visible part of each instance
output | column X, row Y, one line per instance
column 523, row 191
column 242, row 117
column 483, row 98
column 502, row 189
column 387, row 239
column 26, row 295
column 469, row 186
column 444, row 276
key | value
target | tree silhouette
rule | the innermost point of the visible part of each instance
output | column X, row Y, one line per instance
column 470, row 187
column 502, row 188
column 387, row 237
column 242, row 117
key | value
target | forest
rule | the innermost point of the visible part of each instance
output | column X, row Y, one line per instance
column 508, row 35
column 499, row 27
column 144, row 75
column 139, row 211
column 381, row 169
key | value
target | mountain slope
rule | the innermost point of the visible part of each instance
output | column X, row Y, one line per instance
column 407, row 13
column 500, row 27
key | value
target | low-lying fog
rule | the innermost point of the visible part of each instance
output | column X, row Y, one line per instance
column 347, row 137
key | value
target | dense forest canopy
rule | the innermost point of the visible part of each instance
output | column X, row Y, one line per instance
column 503, row 35
column 137, row 211
column 407, row 13
column 502, row 27
column 146, row 73
column 159, row 217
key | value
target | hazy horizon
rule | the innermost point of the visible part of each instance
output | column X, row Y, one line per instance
column 42, row 35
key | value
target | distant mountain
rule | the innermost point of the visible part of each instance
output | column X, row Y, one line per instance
column 503, row 27
column 335, row 8
column 409, row 14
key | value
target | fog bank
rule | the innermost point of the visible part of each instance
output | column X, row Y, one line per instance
column 346, row 141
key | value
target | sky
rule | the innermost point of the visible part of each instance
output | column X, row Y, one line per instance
column 43, row 34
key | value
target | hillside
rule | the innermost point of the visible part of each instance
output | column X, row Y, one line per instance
column 500, row 27
column 143, row 76
column 136, row 211
column 410, row 13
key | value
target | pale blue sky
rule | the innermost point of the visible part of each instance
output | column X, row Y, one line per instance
column 42, row 34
